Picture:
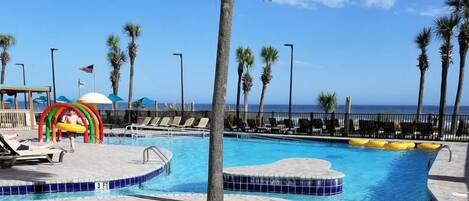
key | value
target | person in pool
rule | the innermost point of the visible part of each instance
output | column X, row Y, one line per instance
column 71, row 117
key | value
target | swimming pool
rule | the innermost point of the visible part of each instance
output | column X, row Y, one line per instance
column 370, row 174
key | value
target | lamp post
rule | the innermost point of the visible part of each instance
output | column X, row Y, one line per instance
column 182, row 83
column 24, row 83
column 53, row 73
column 291, row 78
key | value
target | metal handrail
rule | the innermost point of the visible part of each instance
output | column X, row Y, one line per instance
column 450, row 152
column 160, row 154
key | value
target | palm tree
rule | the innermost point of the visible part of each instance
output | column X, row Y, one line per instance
column 116, row 57
column 240, row 57
column 460, row 7
column 327, row 102
column 6, row 41
column 269, row 56
column 422, row 40
column 247, row 80
column 444, row 29
column 133, row 31
column 215, row 162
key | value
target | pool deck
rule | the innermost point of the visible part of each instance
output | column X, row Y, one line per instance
column 89, row 163
column 178, row 197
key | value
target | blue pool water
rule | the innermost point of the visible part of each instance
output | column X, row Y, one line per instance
column 370, row 174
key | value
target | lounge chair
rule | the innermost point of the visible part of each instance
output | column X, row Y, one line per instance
column 154, row 121
column 229, row 126
column 203, row 123
column 408, row 128
column 144, row 123
column 187, row 124
column 164, row 122
column 176, row 121
column 317, row 126
column 9, row 155
column 304, row 126
column 275, row 127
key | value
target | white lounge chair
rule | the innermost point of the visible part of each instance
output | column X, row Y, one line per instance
column 9, row 155
column 176, row 121
column 203, row 123
column 188, row 123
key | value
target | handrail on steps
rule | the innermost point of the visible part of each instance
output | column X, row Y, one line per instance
column 160, row 154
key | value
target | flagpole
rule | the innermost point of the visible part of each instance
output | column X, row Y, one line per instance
column 94, row 80
column 79, row 92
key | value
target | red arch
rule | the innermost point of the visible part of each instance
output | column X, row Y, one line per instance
column 68, row 106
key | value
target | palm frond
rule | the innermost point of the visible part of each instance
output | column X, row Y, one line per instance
column 133, row 30
column 423, row 38
column 327, row 101
column 445, row 26
column 6, row 41
column 269, row 55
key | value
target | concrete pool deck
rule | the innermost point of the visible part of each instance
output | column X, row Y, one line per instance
column 89, row 163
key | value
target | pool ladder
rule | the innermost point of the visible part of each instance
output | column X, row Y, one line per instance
column 161, row 156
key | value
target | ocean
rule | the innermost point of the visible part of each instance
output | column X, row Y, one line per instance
column 385, row 109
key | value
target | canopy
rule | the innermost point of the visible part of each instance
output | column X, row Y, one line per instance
column 40, row 100
column 63, row 99
column 94, row 98
column 146, row 101
column 114, row 98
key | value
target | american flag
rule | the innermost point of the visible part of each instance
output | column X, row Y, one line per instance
column 88, row 69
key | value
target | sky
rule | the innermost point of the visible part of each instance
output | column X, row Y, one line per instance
column 358, row 48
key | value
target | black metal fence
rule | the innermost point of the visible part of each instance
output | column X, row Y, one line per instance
column 390, row 126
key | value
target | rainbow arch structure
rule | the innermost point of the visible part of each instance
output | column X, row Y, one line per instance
column 93, row 123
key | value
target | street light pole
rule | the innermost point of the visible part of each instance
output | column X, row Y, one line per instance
column 182, row 83
column 291, row 78
column 24, row 84
column 53, row 73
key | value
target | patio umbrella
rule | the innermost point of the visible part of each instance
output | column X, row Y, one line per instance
column 146, row 101
column 94, row 98
column 40, row 100
column 114, row 98
column 63, row 99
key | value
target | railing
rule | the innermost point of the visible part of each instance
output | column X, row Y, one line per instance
column 161, row 156
column 377, row 125
column 15, row 120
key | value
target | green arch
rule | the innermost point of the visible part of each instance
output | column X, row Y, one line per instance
column 48, row 123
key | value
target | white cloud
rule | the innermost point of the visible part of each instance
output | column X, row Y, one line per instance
column 430, row 11
column 386, row 4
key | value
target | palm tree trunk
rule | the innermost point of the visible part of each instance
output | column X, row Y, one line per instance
column 462, row 63
column 238, row 97
column 4, row 65
column 115, row 89
column 421, row 88
column 261, row 103
column 246, row 94
column 131, row 81
column 215, row 163
column 441, row 111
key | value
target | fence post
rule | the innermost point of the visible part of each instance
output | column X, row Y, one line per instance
column 311, row 117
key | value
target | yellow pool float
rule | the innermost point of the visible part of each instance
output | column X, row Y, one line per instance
column 396, row 146
column 376, row 143
column 358, row 142
column 428, row 146
column 409, row 144
column 71, row 127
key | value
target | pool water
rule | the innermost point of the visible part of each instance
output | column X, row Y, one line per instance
column 371, row 174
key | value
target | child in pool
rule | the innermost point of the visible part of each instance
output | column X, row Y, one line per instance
column 72, row 118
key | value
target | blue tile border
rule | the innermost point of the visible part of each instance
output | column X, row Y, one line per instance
column 41, row 187
column 306, row 186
